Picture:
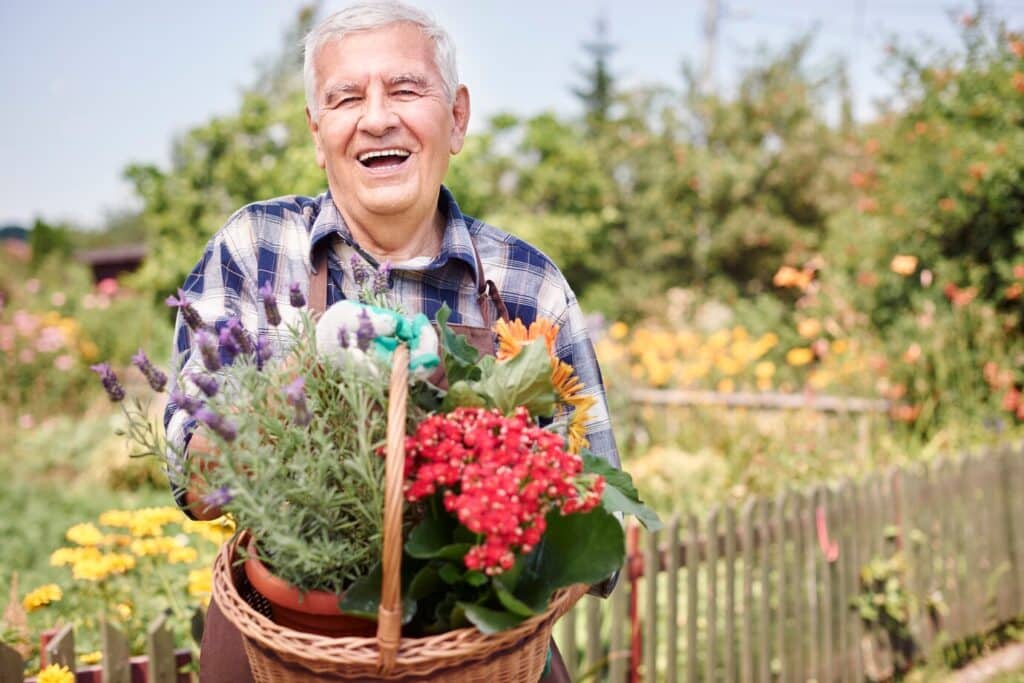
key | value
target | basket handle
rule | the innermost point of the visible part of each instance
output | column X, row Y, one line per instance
column 389, row 615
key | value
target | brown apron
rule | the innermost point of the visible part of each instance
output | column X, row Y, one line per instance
column 222, row 657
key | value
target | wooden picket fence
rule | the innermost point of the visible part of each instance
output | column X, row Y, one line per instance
column 162, row 663
column 763, row 592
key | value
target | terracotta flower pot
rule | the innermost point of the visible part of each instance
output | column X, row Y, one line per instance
column 311, row 611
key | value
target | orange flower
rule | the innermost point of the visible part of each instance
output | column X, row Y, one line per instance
column 1017, row 47
column 860, row 179
column 978, row 170
column 1018, row 81
column 788, row 276
column 799, row 356
column 1014, row 291
column 872, row 146
column 513, row 336
column 920, row 127
column 1018, row 271
column 947, row 204
column 903, row 264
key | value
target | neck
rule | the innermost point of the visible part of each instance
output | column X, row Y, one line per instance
column 396, row 238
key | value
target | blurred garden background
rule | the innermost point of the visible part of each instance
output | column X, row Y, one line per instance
column 753, row 240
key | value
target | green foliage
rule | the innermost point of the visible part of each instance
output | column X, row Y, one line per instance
column 48, row 241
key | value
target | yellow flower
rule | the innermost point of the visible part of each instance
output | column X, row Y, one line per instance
column 200, row 583
column 903, row 264
column 764, row 383
column 89, row 350
column 149, row 547
column 65, row 556
column 618, row 330
column 91, row 657
column 764, row 370
column 839, row 346
column 799, row 356
column 182, row 555
column 151, row 521
column 117, row 518
column 55, row 674
column 41, row 597
column 98, row 569
column 216, row 531
column 124, row 610
column 727, row 385
column 808, row 328
column 84, row 534
column 728, row 365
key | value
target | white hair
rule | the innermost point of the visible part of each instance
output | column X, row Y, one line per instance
column 369, row 16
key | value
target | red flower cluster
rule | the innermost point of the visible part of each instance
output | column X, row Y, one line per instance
column 500, row 476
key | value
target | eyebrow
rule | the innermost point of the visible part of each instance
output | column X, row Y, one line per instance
column 408, row 78
column 339, row 89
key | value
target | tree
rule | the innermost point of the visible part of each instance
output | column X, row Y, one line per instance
column 597, row 94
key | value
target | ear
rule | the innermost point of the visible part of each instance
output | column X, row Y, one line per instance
column 460, row 118
column 314, row 130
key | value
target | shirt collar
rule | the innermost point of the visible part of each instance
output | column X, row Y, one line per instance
column 457, row 242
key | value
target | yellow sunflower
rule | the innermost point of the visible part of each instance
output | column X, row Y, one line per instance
column 512, row 336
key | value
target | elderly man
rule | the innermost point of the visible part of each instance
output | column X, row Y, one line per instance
column 385, row 111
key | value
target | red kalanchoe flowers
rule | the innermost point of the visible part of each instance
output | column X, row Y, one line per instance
column 500, row 476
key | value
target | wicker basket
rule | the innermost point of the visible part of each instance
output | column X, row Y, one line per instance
column 278, row 654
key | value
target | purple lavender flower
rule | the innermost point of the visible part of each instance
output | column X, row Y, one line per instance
column 342, row 337
column 110, row 383
column 190, row 404
column 208, row 385
column 218, row 423
column 295, row 395
column 264, row 351
column 360, row 272
column 228, row 346
column 270, row 304
column 365, row 333
column 295, row 296
column 382, row 278
column 156, row 378
column 188, row 312
column 242, row 338
column 218, row 498
column 207, row 344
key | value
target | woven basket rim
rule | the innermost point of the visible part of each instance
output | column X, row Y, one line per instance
column 416, row 656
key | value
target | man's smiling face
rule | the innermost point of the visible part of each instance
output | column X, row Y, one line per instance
column 385, row 127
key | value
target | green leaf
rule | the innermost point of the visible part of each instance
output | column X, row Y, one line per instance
column 490, row 620
column 457, row 355
column 449, row 574
column 462, row 394
column 362, row 598
column 580, row 548
column 620, row 495
column 511, row 602
column 522, row 381
column 430, row 538
column 426, row 582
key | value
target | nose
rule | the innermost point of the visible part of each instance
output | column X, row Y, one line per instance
column 378, row 117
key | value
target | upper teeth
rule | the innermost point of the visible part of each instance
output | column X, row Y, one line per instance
column 366, row 156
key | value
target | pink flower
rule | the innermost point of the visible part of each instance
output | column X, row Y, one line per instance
column 25, row 421
column 58, row 299
column 32, row 286
column 63, row 362
column 107, row 286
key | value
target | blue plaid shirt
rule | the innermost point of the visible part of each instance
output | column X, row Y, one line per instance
column 272, row 242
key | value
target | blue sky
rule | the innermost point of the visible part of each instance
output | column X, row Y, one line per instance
column 91, row 87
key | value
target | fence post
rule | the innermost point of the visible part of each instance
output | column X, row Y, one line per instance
column 782, row 604
column 764, row 559
column 672, row 617
column 618, row 652
column 711, row 641
column 730, row 594
column 11, row 666
column 747, row 629
column 692, row 572
column 61, row 649
column 160, row 648
column 116, row 655
column 652, row 563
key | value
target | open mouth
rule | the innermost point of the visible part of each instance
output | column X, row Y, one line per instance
column 384, row 158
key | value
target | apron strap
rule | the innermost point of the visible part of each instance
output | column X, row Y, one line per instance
column 318, row 281
column 486, row 289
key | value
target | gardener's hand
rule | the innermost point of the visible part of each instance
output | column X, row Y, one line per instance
column 199, row 449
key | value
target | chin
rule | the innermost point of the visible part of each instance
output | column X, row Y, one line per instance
column 388, row 200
